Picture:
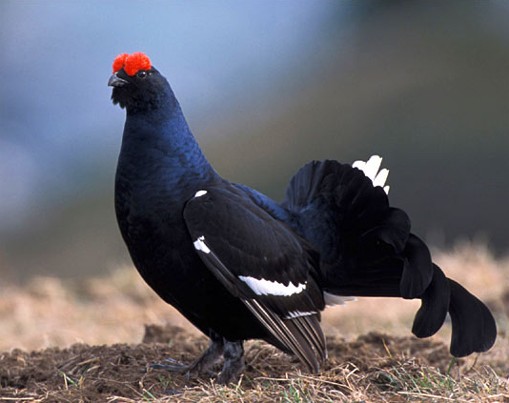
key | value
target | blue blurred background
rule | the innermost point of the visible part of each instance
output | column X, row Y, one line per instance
column 266, row 86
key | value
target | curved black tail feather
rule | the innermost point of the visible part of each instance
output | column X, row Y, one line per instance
column 367, row 249
column 473, row 327
column 418, row 269
column 435, row 303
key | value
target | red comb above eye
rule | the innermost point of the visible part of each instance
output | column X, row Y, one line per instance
column 132, row 63
column 119, row 62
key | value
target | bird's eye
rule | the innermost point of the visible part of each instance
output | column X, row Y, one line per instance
column 141, row 74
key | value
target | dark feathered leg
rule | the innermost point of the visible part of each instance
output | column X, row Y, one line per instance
column 233, row 362
column 201, row 365
column 211, row 355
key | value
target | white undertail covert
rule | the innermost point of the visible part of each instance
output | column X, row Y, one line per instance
column 371, row 169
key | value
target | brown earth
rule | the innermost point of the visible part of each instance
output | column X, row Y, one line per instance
column 122, row 372
column 61, row 345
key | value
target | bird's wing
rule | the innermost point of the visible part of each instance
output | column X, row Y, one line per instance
column 263, row 263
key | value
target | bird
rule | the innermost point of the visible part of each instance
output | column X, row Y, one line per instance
column 240, row 266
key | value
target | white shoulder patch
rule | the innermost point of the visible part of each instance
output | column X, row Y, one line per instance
column 200, row 245
column 371, row 169
column 200, row 193
column 332, row 300
column 267, row 287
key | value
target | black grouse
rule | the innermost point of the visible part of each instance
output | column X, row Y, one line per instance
column 241, row 266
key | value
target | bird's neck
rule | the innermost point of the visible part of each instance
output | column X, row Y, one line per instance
column 158, row 146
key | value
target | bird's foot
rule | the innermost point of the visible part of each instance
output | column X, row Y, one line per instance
column 171, row 365
column 233, row 352
column 233, row 362
column 200, row 366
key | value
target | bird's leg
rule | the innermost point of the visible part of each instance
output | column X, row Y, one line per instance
column 233, row 362
column 202, row 364
column 210, row 356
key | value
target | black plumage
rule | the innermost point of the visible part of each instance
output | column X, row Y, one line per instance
column 240, row 266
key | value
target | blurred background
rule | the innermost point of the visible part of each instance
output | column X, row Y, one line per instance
column 266, row 86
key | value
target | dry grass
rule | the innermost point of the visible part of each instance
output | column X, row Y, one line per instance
column 48, row 313
column 373, row 367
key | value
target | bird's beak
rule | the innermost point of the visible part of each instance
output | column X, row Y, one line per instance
column 116, row 81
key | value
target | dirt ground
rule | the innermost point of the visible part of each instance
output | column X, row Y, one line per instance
column 374, row 365
column 61, row 344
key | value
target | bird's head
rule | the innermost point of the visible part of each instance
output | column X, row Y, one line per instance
column 137, row 85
